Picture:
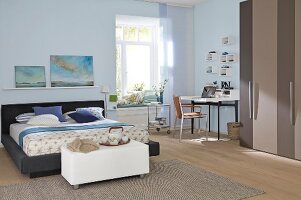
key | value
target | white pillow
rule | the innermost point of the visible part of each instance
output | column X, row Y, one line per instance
column 44, row 120
column 66, row 115
column 68, row 118
column 96, row 111
column 23, row 118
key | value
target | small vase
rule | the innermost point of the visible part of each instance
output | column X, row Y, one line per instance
column 161, row 97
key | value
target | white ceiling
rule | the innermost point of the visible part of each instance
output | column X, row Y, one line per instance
column 185, row 3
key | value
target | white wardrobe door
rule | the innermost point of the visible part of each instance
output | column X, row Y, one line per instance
column 265, row 75
column 298, row 81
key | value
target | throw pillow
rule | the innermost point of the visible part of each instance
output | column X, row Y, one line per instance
column 44, row 120
column 83, row 116
column 96, row 111
column 54, row 110
column 23, row 118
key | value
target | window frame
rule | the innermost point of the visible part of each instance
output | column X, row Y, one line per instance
column 153, row 45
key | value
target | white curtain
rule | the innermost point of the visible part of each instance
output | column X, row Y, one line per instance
column 176, row 51
column 165, row 53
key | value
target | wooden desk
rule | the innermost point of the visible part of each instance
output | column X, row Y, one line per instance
column 230, row 101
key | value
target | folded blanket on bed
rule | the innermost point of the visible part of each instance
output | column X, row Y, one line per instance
column 83, row 146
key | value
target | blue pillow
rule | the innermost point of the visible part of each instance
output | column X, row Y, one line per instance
column 96, row 111
column 83, row 116
column 54, row 110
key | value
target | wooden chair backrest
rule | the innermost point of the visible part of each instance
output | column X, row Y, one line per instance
column 177, row 103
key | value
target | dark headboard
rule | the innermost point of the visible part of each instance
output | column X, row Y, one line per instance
column 10, row 111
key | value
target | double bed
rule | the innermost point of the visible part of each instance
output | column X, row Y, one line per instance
column 36, row 150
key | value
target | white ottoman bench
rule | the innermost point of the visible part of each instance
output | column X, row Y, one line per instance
column 106, row 163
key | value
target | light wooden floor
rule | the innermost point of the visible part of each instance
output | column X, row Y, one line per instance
column 279, row 177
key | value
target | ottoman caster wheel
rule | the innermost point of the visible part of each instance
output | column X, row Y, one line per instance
column 75, row 187
column 158, row 129
column 142, row 175
column 168, row 132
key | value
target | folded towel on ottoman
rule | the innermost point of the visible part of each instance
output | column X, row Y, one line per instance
column 83, row 146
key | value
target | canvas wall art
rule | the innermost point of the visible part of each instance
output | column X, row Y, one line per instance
column 30, row 76
column 71, row 71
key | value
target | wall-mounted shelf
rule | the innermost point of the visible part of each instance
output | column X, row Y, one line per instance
column 229, row 58
column 212, row 70
column 52, row 88
column 225, row 71
column 211, row 57
column 227, row 40
column 223, row 58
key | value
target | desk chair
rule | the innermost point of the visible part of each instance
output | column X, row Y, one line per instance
column 187, row 115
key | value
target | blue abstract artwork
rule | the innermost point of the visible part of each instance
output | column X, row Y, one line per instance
column 71, row 71
column 30, row 76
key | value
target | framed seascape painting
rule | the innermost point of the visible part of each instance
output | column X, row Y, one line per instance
column 71, row 71
column 30, row 76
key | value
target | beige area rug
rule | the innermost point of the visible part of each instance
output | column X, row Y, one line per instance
column 172, row 179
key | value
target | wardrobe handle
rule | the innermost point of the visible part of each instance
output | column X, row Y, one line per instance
column 251, row 99
column 292, row 103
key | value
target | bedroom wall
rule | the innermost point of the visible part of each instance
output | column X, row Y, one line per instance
column 32, row 30
column 213, row 20
column 182, row 34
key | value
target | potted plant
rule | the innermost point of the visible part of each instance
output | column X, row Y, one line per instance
column 159, row 89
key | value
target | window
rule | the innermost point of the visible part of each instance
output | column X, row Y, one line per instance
column 136, row 58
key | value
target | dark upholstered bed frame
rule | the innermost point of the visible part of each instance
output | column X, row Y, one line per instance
column 43, row 165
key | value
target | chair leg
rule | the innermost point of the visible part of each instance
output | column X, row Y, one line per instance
column 199, row 131
column 175, row 125
column 181, row 130
column 206, row 128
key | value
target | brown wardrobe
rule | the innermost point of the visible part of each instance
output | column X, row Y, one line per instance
column 270, row 75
